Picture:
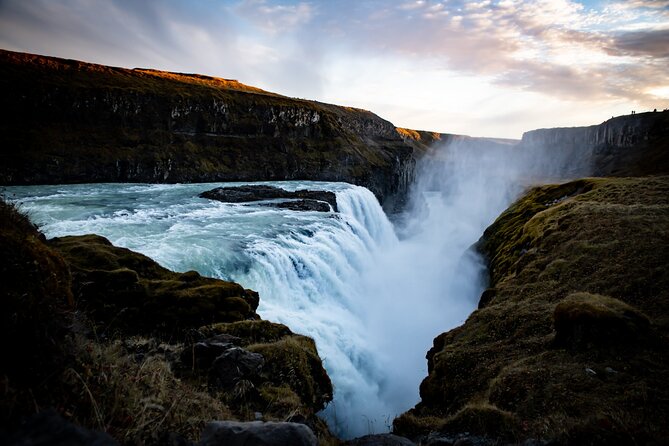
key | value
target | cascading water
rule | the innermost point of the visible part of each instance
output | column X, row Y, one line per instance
column 372, row 302
column 307, row 266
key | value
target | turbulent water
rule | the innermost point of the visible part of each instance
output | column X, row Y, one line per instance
column 308, row 266
column 372, row 301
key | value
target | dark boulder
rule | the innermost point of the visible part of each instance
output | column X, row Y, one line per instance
column 201, row 355
column 304, row 205
column 257, row 433
column 234, row 365
column 250, row 193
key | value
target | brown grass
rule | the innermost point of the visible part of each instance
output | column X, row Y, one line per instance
column 587, row 258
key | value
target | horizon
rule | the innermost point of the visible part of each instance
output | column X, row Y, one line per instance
column 481, row 69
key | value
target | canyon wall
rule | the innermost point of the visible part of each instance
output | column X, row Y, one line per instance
column 629, row 145
column 72, row 122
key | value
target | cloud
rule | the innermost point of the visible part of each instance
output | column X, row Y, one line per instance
column 653, row 43
column 275, row 18
column 560, row 49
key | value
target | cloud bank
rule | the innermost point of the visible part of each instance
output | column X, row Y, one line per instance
column 481, row 67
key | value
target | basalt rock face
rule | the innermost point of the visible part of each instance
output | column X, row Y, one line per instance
column 127, row 291
column 570, row 344
column 74, row 122
column 306, row 199
column 631, row 145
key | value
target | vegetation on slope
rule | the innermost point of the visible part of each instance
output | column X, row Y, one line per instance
column 570, row 343
column 111, row 340
column 74, row 122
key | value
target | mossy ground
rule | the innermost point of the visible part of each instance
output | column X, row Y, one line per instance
column 292, row 384
column 95, row 332
column 128, row 292
column 572, row 343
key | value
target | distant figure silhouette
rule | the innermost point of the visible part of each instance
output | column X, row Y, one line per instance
column 654, row 110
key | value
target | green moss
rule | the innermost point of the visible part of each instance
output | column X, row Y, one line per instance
column 413, row 426
column 587, row 320
column 566, row 345
column 128, row 292
column 250, row 332
column 280, row 400
column 294, row 361
column 484, row 419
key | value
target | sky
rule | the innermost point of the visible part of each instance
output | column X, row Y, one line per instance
column 483, row 68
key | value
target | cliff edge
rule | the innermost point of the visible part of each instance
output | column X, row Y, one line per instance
column 569, row 345
column 67, row 121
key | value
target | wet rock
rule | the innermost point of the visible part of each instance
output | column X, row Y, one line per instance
column 304, row 205
column 257, row 433
column 309, row 199
column 128, row 292
column 234, row 365
column 380, row 440
column 49, row 428
column 486, row 297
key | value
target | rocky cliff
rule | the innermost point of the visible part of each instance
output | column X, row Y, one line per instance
column 628, row 145
column 68, row 122
column 569, row 345
column 112, row 341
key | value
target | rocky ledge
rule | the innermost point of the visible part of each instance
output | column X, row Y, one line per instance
column 299, row 200
column 113, row 342
column 75, row 122
column 570, row 345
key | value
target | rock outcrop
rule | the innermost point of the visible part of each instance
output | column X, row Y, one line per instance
column 631, row 145
column 128, row 292
column 571, row 343
column 300, row 200
column 116, row 343
column 74, row 122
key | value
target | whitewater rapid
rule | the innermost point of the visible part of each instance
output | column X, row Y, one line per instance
column 309, row 267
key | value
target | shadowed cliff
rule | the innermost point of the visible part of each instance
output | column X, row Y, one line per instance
column 570, row 343
column 74, row 122
column 630, row 145
column 105, row 338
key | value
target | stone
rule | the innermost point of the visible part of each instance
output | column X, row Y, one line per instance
column 306, row 200
column 233, row 365
column 380, row 440
column 304, row 205
column 257, row 433
column 201, row 354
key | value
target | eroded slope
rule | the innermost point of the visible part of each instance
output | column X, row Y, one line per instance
column 570, row 343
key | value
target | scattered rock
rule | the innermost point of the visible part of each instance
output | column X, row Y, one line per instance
column 234, row 365
column 461, row 439
column 257, row 433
